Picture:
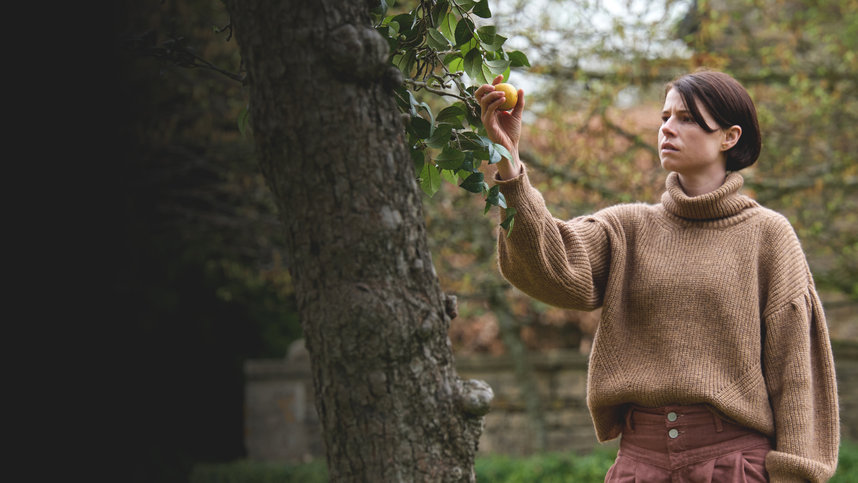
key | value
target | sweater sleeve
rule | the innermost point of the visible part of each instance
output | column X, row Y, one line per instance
column 802, row 388
column 561, row 263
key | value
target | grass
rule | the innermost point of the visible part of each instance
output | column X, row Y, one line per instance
column 542, row 468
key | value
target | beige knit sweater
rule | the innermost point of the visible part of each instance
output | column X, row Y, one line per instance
column 705, row 299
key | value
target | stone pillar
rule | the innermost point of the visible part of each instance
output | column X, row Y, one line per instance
column 280, row 420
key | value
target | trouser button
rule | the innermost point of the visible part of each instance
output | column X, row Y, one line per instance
column 673, row 433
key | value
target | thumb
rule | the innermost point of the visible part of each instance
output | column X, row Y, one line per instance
column 519, row 106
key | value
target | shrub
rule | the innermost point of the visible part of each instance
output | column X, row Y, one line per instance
column 542, row 468
column 847, row 466
column 254, row 472
column 545, row 468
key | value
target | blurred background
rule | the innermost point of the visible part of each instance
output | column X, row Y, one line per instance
column 201, row 278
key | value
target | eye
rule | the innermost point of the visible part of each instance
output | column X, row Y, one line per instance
column 686, row 118
column 664, row 119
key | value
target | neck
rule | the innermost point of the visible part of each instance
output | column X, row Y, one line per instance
column 720, row 204
column 696, row 184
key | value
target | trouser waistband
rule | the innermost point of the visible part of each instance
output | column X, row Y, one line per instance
column 677, row 435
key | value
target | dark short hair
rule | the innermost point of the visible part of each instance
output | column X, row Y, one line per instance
column 729, row 104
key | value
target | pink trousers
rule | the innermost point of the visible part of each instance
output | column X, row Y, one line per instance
column 688, row 444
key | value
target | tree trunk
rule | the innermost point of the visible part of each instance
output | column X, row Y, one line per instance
column 332, row 148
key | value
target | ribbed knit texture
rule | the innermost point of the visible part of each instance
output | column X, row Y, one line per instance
column 704, row 299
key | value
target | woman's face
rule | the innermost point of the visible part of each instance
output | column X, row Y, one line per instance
column 683, row 145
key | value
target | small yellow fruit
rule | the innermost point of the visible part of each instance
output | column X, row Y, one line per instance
column 511, row 94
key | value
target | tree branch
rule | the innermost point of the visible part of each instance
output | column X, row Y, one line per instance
column 175, row 51
column 423, row 85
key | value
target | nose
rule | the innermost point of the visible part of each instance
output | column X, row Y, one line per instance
column 667, row 127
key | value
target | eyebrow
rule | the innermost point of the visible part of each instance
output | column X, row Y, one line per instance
column 679, row 111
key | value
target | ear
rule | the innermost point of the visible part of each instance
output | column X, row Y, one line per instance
column 731, row 137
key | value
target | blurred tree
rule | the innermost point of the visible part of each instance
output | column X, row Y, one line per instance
column 198, row 282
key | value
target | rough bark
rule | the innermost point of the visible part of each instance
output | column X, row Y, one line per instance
column 331, row 146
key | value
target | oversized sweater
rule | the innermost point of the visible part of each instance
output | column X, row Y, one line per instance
column 704, row 299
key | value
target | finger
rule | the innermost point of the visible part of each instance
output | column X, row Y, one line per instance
column 490, row 108
column 491, row 98
column 483, row 90
column 519, row 106
column 497, row 80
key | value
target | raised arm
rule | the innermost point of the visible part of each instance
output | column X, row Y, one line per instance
column 562, row 263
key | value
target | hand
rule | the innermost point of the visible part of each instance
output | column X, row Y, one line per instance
column 502, row 127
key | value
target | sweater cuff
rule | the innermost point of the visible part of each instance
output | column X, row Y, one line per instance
column 514, row 188
column 789, row 468
column 518, row 177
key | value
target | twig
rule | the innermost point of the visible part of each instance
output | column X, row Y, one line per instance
column 423, row 85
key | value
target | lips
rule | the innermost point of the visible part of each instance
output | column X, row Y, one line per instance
column 668, row 147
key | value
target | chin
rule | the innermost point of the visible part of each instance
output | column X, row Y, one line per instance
column 668, row 165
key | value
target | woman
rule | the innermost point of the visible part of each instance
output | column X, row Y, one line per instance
column 712, row 357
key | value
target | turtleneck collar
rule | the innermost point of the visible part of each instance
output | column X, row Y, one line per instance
column 721, row 203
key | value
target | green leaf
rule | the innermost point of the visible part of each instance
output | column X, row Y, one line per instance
column 481, row 9
column 501, row 200
column 473, row 116
column 487, row 34
column 448, row 27
column 518, row 59
column 470, row 141
column 390, row 33
column 450, row 176
column 494, row 198
column 454, row 62
column 475, row 183
column 453, row 114
column 485, row 141
column 380, row 9
column 406, row 22
column 401, row 94
column 494, row 156
column 500, row 149
column 496, row 44
column 472, row 44
column 484, row 76
column 466, row 5
column 497, row 66
column 464, row 31
column 415, row 104
column 405, row 62
column 243, row 120
column 484, row 149
column 420, row 127
column 473, row 63
column 468, row 165
column 430, row 179
column 418, row 158
column 439, row 13
column 441, row 137
column 450, row 158
column 508, row 221
column 437, row 41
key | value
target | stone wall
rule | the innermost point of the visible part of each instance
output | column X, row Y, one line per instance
column 281, row 422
